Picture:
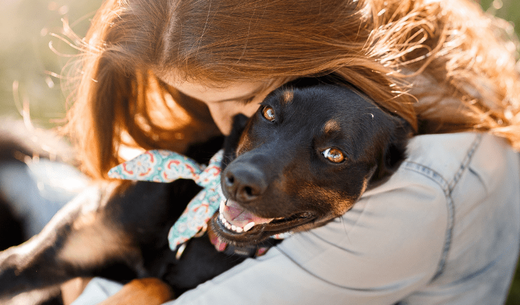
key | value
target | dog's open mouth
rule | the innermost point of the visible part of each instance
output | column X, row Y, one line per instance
column 239, row 226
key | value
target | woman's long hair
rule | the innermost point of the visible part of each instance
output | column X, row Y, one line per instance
column 443, row 66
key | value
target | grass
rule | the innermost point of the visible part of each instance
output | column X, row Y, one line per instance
column 514, row 292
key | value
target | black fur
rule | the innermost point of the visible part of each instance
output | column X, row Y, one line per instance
column 11, row 226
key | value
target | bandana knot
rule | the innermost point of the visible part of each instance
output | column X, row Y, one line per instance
column 168, row 166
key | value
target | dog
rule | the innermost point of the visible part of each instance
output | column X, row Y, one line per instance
column 305, row 157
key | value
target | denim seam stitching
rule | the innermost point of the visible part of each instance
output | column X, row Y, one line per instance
column 465, row 163
column 447, row 188
column 444, row 185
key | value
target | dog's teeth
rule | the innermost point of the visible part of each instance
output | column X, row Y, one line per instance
column 234, row 228
column 237, row 229
column 249, row 226
column 222, row 219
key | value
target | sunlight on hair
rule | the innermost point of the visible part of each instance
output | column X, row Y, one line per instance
column 167, row 114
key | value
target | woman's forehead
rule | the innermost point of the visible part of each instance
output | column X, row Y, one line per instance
column 211, row 93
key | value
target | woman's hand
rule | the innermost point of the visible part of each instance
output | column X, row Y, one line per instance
column 71, row 290
column 150, row 291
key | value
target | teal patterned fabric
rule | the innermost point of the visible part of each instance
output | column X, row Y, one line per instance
column 167, row 166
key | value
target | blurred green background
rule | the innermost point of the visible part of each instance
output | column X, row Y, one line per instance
column 29, row 69
column 508, row 10
column 28, row 66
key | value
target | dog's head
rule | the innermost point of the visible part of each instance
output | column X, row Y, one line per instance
column 304, row 158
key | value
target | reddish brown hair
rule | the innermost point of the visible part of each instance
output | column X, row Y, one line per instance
column 442, row 65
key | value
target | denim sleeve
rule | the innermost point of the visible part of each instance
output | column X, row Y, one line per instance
column 387, row 246
column 368, row 256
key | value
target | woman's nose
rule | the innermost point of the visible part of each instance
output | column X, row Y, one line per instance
column 222, row 116
column 223, row 113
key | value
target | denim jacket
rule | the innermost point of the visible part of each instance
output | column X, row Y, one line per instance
column 445, row 229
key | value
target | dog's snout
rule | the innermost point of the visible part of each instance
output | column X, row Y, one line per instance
column 245, row 183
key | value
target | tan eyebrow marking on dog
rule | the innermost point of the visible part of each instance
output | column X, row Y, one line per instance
column 331, row 126
column 287, row 96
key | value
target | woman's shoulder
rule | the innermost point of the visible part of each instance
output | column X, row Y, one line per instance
column 412, row 210
column 419, row 197
column 445, row 158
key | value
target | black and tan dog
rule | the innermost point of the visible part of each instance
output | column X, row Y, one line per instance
column 304, row 158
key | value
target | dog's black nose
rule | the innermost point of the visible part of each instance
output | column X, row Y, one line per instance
column 245, row 183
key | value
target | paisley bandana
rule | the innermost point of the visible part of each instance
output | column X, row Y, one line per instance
column 167, row 166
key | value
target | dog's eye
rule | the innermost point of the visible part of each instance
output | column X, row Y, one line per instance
column 333, row 155
column 268, row 113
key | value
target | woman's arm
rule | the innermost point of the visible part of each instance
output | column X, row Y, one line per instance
column 149, row 291
column 91, row 291
column 389, row 245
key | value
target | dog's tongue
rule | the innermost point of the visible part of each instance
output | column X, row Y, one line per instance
column 238, row 216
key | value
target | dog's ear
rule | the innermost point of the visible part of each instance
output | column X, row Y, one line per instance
column 395, row 152
column 231, row 141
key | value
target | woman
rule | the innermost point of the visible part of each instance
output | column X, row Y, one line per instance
column 444, row 229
